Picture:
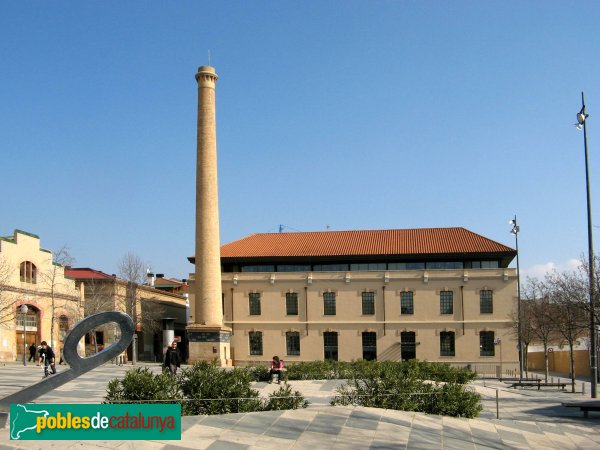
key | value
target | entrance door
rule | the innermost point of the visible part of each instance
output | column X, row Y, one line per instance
column 408, row 345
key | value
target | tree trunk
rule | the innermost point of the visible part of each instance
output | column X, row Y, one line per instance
column 546, row 362
column 572, row 366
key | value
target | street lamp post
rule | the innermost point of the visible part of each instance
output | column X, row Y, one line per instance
column 581, row 123
column 515, row 230
column 24, row 310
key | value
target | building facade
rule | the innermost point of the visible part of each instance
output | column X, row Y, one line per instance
column 29, row 277
column 443, row 295
column 147, row 304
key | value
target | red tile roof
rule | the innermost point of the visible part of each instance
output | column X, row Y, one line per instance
column 85, row 273
column 421, row 241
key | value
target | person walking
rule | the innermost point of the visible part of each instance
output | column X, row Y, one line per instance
column 172, row 360
column 47, row 358
column 32, row 351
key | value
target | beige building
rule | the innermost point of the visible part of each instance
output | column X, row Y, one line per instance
column 29, row 277
column 151, row 305
column 441, row 294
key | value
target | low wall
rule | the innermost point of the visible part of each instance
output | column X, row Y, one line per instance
column 558, row 361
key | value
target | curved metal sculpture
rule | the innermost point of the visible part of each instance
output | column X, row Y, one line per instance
column 78, row 364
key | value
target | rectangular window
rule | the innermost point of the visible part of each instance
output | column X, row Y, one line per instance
column 408, row 345
column 484, row 264
column 293, row 268
column 368, row 303
column 258, row 268
column 329, row 303
column 330, row 267
column 445, row 265
column 330, row 345
column 406, row 303
column 255, row 340
column 291, row 303
column 367, row 266
column 369, row 344
column 486, row 302
column 486, row 343
column 30, row 321
column 447, row 343
column 254, row 302
column 292, row 343
column 446, row 302
column 406, row 266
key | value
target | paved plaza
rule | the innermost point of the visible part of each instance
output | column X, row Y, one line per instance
column 528, row 419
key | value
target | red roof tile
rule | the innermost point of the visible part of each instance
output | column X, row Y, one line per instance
column 85, row 273
column 421, row 241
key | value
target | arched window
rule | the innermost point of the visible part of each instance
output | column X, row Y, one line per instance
column 28, row 272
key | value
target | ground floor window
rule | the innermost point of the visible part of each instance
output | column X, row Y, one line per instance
column 330, row 344
column 408, row 345
column 486, row 343
column 369, row 345
column 447, row 343
column 292, row 343
column 256, row 342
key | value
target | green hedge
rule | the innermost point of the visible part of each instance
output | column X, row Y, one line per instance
column 413, row 386
column 341, row 370
column 203, row 388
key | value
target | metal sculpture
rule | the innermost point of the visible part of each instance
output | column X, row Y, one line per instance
column 78, row 364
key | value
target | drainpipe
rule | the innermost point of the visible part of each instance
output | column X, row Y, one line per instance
column 383, row 295
column 306, row 308
column 232, row 311
column 462, row 308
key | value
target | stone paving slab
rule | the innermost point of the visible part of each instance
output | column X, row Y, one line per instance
column 529, row 419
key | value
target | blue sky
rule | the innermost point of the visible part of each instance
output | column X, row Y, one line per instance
column 347, row 114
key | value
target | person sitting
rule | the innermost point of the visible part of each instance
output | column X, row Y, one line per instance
column 276, row 369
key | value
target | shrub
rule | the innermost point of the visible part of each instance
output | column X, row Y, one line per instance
column 212, row 390
column 392, row 385
column 284, row 398
column 141, row 385
column 259, row 373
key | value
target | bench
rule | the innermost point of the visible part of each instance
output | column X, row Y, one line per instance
column 585, row 405
column 537, row 384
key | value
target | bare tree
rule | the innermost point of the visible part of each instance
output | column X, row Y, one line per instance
column 99, row 297
column 7, row 297
column 54, row 279
column 147, row 318
column 583, row 277
column 527, row 335
column 568, row 295
column 541, row 324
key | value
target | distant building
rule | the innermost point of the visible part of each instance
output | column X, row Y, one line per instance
column 29, row 277
column 436, row 294
column 110, row 293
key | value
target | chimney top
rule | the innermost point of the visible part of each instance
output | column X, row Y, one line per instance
column 209, row 69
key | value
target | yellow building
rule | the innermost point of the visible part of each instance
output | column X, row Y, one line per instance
column 145, row 303
column 28, row 276
column 439, row 294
